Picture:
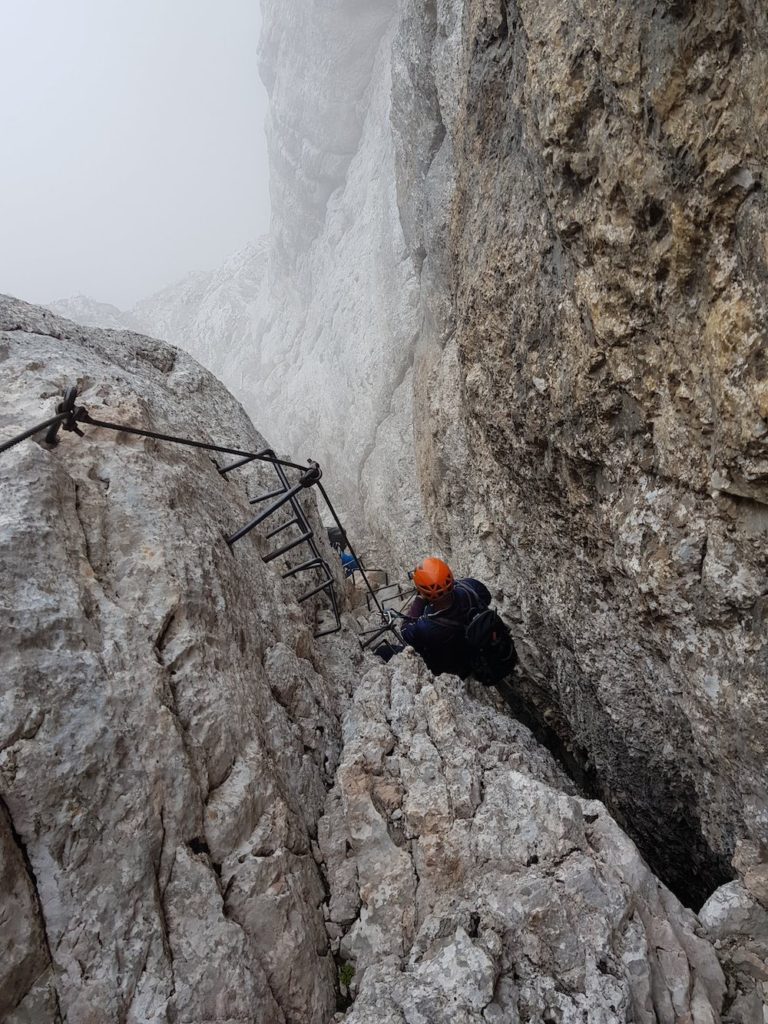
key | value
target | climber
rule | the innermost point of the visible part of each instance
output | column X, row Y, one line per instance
column 338, row 542
column 454, row 628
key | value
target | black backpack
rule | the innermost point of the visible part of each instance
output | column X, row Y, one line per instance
column 492, row 650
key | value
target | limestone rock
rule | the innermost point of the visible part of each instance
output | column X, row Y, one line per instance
column 592, row 382
column 208, row 816
column 168, row 728
column 25, row 957
column 487, row 890
column 751, row 862
column 517, row 295
column 515, row 302
column 519, row 312
column 738, row 925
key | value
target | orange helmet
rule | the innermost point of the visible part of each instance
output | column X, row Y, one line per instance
column 433, row 579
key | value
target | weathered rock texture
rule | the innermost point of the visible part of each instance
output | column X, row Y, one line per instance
column 167, row 739
column 540, row 280
column 482, row 889
column 738, row 925
column 519, row 268
column 204, row 812
column 598, row 297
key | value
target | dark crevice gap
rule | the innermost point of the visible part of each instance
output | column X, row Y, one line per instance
column 558, row 742
column 658, row 811
column 21, row 846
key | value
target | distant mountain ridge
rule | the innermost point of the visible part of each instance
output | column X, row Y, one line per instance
column 210, row 314
column 90, row 313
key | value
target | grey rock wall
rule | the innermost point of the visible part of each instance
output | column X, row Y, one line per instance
column 516, row 305
column 166, row 735
column 206, row 813
column 593, row 369
column 486, row 890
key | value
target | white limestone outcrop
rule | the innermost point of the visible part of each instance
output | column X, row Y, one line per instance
column 486, row 890
column 166, row 737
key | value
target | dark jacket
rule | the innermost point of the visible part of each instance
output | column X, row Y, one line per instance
column 438, row 636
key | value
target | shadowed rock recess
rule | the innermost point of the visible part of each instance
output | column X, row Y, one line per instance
column 209, row 817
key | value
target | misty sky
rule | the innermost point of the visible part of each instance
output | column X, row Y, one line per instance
column 131, row 143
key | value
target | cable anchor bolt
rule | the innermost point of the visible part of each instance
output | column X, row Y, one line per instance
column 312, row 476
column 75, row 414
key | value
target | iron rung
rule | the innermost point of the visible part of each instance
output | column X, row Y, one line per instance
column 313, row 563
column 328, row 632
column 287, row 547
column 266, row 497
column 316, row 590
column 279, row 529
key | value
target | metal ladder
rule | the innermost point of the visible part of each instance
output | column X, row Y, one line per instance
column 285, row 494
column 69, row 416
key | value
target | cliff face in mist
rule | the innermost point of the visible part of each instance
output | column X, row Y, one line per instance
column 516, row 304
column 215, row 316
column 530, row 287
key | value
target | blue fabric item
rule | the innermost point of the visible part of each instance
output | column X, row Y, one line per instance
column 349, row 562
column 438, row 636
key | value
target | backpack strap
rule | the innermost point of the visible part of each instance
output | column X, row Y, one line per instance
column 439, row 620
column 474, row 608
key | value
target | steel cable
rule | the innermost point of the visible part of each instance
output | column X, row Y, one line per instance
column 79, row 414
column 53, row 421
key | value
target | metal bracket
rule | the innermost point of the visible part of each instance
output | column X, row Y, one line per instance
column 312, row 476
column 74, row 415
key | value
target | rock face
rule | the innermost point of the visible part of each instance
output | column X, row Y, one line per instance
column 334, row 353
column 205, row 812
column 738, row 924
column 598, row 293
column 483, row 889
column 167, row 739
column 517, row 301
column 539, row 284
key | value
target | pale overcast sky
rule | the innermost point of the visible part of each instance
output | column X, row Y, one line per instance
column 131, row 143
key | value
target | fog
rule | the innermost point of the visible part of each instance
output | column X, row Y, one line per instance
column 132, row 143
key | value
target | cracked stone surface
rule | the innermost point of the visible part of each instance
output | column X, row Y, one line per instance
column 533, row 290
column 207, row 816
column 516, row 302
column 737, row 923
column 593, row 431
column 167, row 738
column 483, row 889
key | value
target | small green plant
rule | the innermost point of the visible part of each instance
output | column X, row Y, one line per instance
column 346, row 974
